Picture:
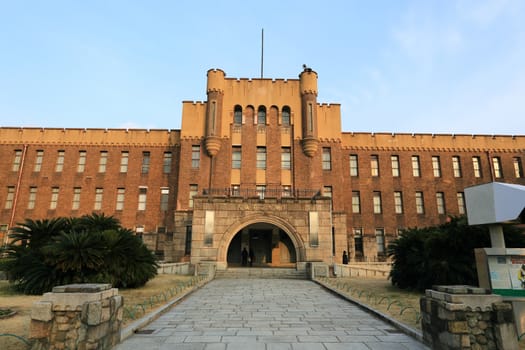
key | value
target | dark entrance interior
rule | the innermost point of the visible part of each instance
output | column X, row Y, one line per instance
column 269, row 245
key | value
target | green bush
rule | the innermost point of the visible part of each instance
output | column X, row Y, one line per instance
column 443, row 254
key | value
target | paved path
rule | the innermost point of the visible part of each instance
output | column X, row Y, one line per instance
column 267, row 314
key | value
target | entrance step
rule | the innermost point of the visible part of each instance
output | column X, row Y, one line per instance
column 260, row 272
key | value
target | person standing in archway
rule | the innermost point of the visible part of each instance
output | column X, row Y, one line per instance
column 345, row 258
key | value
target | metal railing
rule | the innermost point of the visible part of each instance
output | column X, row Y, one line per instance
column 277, row 192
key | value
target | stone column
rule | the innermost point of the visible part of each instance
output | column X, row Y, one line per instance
column 77, row 316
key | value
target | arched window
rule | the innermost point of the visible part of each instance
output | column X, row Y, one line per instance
column 261, row 115
column 285, row 116
column 237, row 114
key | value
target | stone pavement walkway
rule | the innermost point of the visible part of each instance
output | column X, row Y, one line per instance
column 267, row 314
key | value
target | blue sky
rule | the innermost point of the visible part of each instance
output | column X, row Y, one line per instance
column 444, row 66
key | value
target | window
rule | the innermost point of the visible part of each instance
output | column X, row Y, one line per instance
column 380, row 240
column 75, row 205
column 237, row 115
column 261, row 115
column 146, row 157
column 143, row 195
column 377, row 202
column 38, row 160
column 164, row 198
column 124, row 160
column 327, row 159
column 81, row 166
column 420, row 206
column 461, row 203
column 194, row 190
column 398, row 202
column 103, row 161
column 496, row 162
column 374, row 165
column 476, row 164
column 356, row 202
column 59, row 166
column 166, row 163
column 236, row 157
column 261, row 158
column 261, row 191
column 354, row 165
column 285, row 116
column 195, row 156
column 287, row 191
column 236, row 190
column 518, row 169
column 99, row 193
column 416, row 171
column 121, row 194
column 358, row 241
column 17, row 160
column 286, row 158
column 10, row 197
column 327, row 191
column 440, row 202
column 395, row 165
column 32, row 198
column 187, row 245
column 54, row 198
column 436, row 166
column 456, row 166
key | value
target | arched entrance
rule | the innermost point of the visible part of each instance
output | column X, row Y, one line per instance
column 266, row 245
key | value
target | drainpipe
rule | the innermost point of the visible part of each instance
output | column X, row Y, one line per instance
column 490, row 166
column 17, row 192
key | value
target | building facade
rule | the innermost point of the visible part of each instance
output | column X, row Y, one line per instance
column 261, row 165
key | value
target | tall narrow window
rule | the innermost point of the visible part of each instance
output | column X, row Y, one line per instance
column 286, row 158
column 121, row 196
column 380, row 240
column 75, row 204
column 166, row 163
column 518, row 168
column 358, row 241
column 10, row 197
column 374, row 165
column 377, row 202
column 420, row 205
column 195, row 156
column 440, row 202
column 103, row 161
column 456, row 166
column 164, row 198
column 143, row 195
column 124, row 160
column 287, row 191
column 354, row 165
column 261, row 191
column 310, row 118
column 59, row 166
column 261, row 115
column 398, row 202
column 99, row 194
column 416, row 171
column 17, row 160
column 81, row 166
column 285, row 116
column 476, row 165
column 194, row 190
column 436, row 166
column 187, row 245
column 32, row 198
column 38, row 160
column 54, row 198
column 496, row 162
column 461, row 203
column 236, row 190
column 236, row 157
column 395, row 165
column 356, row 202
column 261, row 158
column 146, row 158
column 237, row 115
column 327, row 158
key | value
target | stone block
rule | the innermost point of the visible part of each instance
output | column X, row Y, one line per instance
column 457, row 327
column 92, row 313
column 39, row 329
column 42, row 311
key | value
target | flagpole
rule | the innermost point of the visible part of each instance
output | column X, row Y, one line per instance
column 262, row 52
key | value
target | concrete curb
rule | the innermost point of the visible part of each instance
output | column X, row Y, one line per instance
column 414, row 333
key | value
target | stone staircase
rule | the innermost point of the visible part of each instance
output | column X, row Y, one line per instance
column 260, row 272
